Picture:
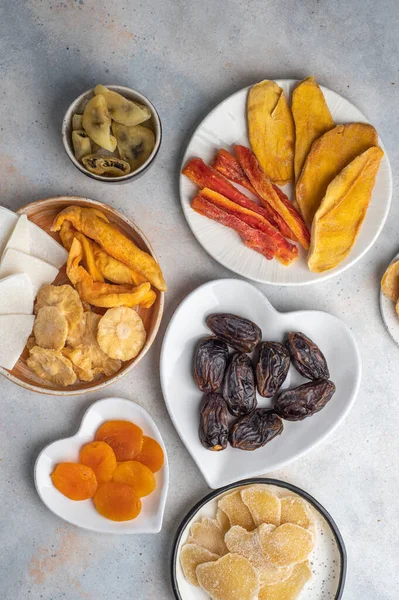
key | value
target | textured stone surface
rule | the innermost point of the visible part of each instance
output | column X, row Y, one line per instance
column 187, row 57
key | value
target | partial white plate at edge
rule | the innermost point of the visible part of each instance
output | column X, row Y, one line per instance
column 388, row 313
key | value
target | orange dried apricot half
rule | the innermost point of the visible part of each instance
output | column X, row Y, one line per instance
column 124, row 437
column 117, row 501
column 137, row 475
column 75, row 481
column 151, row 454
column 101, row 458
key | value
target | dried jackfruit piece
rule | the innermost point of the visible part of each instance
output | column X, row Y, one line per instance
column 390, row 282
column 81, row 143
column 121, row 333
column 328, row 155
column 289, row 589
column 51, row 366
column 77, row 122
column 208, row 535
column 296, row 510
column 263, row 505
column 286, row 545
column 67, row 300
column 135, row 144
column 96, row 122
column 232, row 577
column 191, row 556
column 223, row 520
column 50, row 328
column 121, row 109
column 106, row 165
column 237, row 512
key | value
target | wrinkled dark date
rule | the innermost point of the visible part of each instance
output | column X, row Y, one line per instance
column 305, row 400
column 214, row 427
column 272, row 368
column 239, row 333
column 210, row 363
column 239, row 385
column 306, row 357
column 256, row 429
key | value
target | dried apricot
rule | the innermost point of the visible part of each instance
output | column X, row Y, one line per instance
column 124, row 437
column 77, row 482
column 138, row 476
column 117, row 501
column 101, row 458
column 151, row 454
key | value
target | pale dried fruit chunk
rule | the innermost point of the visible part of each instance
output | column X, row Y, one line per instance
column 121, row 333
column 237, row 512
column 121, row 109
column 289, row 589
column 67, row 300
column 77, row 122
column 223, row 520
column 390, row 282
column 208, row 535
column 191, row 556
column 96, row 122
column 296, row 510
column 286, row 545
column 51, row 366
column 50, row 328
column 263, row 505
column 81, row 144
column 232, row 577
column 135, row 144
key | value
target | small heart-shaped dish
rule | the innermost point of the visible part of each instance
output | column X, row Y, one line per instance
column 83, row 514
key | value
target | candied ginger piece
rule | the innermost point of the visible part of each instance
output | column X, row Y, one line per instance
column 263, row 505
column 223, row 520
column 191, row 556
column 237, row 512
column 286, row 545
column 289, row 589
column 232, row 577
column 208, row 535
column 296, row 510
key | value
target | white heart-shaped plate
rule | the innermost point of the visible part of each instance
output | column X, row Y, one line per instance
column 83, row 514
column 182, row 396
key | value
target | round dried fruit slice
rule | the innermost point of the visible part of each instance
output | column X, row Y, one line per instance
column 50, row 328
column 100, row 457
column 121, row 333
column 75, row 481
column 117, row 501
column 51, row 366
column 124, row 437
column 390, row 282
column 137, row 475
column 67, row 300
column 151, row 454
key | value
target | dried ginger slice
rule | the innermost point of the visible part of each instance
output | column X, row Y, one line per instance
column 296, row 510
column 237, row 512
column 208, row 535
column 289, row 589
column 223, row 520
column 286, row 545
column 232, row 577
column 263, row 505
column 191, row 556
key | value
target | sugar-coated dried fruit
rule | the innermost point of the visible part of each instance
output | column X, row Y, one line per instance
column 210, row 362
column 256, row 429
column 289, row 589
column 75, row 481
column 214, row 426
column 100, row 457
column 51, row 366
column 239, row 388
column 191, row 556
column 296, row 510
column 50, row 328
column 208, row 535
column 232, row 577
column 124, row 437
column 237, row 512
column 223, row 520
column 137, row 475
column 305, row 400
column 151, row 455
column 239, row 333
column 263, row 505
column 286, row 545
column 390, row 282
column 306, row 356
column 117, row 501
column 272, row 368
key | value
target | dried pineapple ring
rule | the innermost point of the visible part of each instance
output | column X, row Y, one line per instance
column 67, row 300
column 135, row 144
column 121, row 109
column 191, row 556
column 121, row 333
column 232, row 577
column 106, row 165
column 50, row 328
column 286, row 545
column 81, row 143
column 208, row 535
column 96, row 122
column 390, row 282
column 51, row 366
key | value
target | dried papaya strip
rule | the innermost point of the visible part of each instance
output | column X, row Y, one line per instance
column 283, row 250
column 264, row 188
column 252, row 238
column 227, row 164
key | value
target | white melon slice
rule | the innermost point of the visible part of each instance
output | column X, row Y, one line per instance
column 43, row 246
column 15, row 330
column 38, row 270
column 16, row 295
column 8, row 220
column 20, row 239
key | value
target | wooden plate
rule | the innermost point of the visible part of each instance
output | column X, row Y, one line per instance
column 43, row 213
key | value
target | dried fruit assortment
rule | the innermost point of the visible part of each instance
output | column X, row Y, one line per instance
column 107, row 473
column 233, row 381
column 263, row 551
column 390, row 284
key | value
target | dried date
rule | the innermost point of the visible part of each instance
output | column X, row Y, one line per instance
column 210, row 364
column 306, row 357
column 239, row 385
column 239, row 333
column 305, row 400
column 256, row 429
column 214, row 427
column 272, row 368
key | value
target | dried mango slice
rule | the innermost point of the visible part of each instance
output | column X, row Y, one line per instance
column 191, row 556
column 340, row 216
column 237, row 512
column 232, row 577
column 151, row 455
column 100, row 457
column 289, row 589
column 96, row 122
column 140, row 477
column 263, row 505
column 124, row 437
column 296, row 510
column 75, row 481
column 67, row 300
column 286, row 545
column 223, row 520
column 390, row 282
column 50, row 328
column 312, row 118
column 208, row 535
column 121, row 109
column 328, row 155
column 117, row 501
column 51, row 366
column 271, row 130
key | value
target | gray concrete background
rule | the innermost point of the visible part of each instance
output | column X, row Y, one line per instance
column 187, row 57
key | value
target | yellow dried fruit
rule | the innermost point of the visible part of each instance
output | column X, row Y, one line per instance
column 77, row 122
column 232, row 577
column 223, row 520
column 286, row 545
column 121, row 109
column 296, row 510
column 289, row 589
column 81, row 143
column 237, row 512
column 51, row 366
column 263, row 505
column 208, row 535
column 67, row 300
column 50, row 328
column 135, row 144
column 121, row 333
column 191, row 556
column 96, row 122
column 390, row 282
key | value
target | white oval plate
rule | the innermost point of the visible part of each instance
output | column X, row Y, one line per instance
column 328, row 560
column 388, row 313
column 83, row 514
column 226, row 125
column 187, row 327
